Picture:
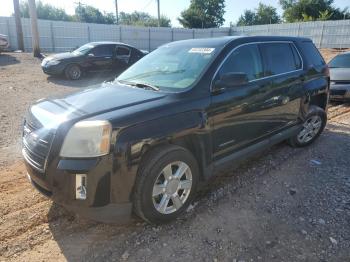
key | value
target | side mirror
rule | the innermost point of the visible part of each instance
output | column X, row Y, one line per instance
column 230, row 80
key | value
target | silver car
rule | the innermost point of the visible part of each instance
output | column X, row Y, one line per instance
column 3, row 42
column 339, row 68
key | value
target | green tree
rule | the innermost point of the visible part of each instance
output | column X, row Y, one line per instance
column 45, row 11
column 142, row 19
column 247, row 18
column 324, row 15
column 306, row 10
column 203, row 14
column 264, row 14
column 90, row 14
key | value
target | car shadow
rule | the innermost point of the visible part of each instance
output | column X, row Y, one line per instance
column 86, row 80
column 7, row 59
column 76, row 236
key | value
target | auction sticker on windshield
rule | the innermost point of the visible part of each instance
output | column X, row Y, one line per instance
column 201, row 50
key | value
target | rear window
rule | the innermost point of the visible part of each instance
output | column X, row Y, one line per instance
column 279, row 58
column 340, row 61
column 311, row 53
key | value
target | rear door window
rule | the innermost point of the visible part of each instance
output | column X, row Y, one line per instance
column 311, row 53
column 245, row 59
column 103, row 50
column 123, row 51
column 123, row 54
column 279, row 58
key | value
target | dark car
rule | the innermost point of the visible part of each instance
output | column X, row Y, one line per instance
column 96, row 56
column 172, row 120
column 339, row 68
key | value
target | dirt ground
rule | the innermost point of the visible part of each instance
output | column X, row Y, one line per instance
column 282, row 205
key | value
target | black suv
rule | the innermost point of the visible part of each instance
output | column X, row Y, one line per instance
column 176, row 117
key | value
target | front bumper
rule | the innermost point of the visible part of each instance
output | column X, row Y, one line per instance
column 339, row 92
column 53, row 69
column 59, row 185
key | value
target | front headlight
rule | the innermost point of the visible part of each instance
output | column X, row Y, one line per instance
column 87, row 139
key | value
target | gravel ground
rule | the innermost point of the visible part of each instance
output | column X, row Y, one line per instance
column 282, row 205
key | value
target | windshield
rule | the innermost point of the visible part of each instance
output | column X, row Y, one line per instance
column 170, row 67
column 83, row 49
column 340, row 61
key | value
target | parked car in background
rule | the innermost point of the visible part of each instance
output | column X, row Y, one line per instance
column 3, row 42
column 171, row 121
column 339, row 68
column 95, row 56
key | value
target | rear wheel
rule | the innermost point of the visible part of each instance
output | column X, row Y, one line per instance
column 166, row 183
column 73, row 72
column 314, row 123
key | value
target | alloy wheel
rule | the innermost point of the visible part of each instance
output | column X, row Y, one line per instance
column 172, row 187
column 75, row 72
column 311, row 128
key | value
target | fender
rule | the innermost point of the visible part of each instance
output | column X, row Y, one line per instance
column 188, row 129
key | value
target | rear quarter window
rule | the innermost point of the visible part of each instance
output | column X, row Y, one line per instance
column 312, row 54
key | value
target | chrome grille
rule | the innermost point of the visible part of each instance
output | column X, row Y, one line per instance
column 36, row 144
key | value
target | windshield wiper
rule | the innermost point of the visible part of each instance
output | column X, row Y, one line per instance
column 140, row 85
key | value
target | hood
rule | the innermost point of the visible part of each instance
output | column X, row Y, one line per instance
column 65, row 55
column 340, row 74
column 90, row 102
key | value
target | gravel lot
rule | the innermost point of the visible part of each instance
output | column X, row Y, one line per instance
column 282, row 205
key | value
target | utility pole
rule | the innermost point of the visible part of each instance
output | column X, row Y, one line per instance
column 116, row 11
column 19, row 30
column 34, row 27
column 158, row 13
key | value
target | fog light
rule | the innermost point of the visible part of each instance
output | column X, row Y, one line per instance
column 80, row 186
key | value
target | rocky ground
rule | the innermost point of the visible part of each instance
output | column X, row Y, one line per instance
column 282, row 205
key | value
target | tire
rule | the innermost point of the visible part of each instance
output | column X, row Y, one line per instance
column 73, row 72
column 315, row 122
column 158, row 199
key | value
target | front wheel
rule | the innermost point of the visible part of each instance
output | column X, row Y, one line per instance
column 315, row 122
column 73, row 72
column 166, row 183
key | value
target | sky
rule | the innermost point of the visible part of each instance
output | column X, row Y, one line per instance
column 170, row 8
